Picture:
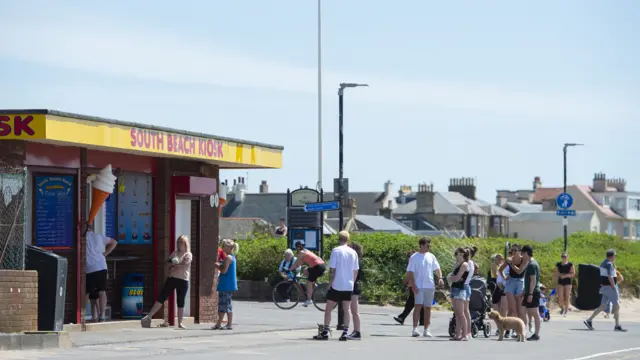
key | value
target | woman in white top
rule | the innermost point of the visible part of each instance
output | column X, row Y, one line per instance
column 178, row 281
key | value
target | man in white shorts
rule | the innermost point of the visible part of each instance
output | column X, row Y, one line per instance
column 420, row 271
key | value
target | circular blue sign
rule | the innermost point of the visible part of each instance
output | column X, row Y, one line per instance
column 564, row 201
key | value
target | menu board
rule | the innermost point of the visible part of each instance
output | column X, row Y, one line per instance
column 111, row 217
column 54, row 212
column 135, row 221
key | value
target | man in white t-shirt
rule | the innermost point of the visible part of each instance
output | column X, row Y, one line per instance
column 343, row 271
column 98, row 247
column 420, row 271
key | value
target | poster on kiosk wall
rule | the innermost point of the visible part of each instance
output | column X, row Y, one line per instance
column 54, row 207
column 135, row 220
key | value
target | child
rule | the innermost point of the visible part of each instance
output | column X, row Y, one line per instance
column 543, row 310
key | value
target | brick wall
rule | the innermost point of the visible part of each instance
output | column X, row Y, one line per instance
column 209, row 230
column 18, row 301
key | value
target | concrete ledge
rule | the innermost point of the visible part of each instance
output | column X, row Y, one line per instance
column 35, row 341
column 118, row 325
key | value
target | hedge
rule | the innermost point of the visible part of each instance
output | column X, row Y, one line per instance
column 385, row 260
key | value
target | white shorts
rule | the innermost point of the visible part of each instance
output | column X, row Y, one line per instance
column 425, row 297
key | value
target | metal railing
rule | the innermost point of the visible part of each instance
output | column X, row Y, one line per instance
column 13, row 187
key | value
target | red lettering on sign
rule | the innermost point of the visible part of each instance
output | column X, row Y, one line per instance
column 17, row 125
column 179, row 144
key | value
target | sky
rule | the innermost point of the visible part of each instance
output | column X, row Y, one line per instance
column 483, row 89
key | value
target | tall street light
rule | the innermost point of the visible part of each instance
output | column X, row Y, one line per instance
column 319, row 94
column 565, row 222
column 341, row 143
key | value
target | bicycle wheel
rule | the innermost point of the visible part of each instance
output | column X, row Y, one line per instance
column 286, row 295
column 319, row 296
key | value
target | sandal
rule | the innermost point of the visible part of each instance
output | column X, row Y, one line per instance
column 145, row 322
column 226, row 327
column 216, row 327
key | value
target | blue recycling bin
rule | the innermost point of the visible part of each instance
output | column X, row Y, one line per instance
column 132, row 296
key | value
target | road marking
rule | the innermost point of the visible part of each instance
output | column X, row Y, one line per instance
column 606, row 353
column 247, row 352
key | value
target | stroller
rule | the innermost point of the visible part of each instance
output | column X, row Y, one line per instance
column 479, row 304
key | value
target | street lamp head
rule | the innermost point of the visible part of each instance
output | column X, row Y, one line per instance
column 572, row 144
column 351, row 85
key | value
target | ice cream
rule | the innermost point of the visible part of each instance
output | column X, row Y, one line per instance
column 102, row 186
column 222, row 198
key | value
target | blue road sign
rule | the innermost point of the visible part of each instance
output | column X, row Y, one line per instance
column 566, row 212
column 564, row 201
column 322, row 206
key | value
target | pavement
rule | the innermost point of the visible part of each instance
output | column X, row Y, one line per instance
column 264, row 331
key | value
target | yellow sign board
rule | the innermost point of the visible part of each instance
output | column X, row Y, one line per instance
column 113, row 136
column 21, row 126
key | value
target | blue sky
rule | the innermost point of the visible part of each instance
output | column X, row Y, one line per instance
column 484, row 89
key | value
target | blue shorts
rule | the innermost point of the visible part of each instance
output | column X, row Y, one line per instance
column 458, row 294
column 467, row 290
column 514, row 286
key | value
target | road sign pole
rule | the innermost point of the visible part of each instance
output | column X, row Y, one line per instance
column 565, row 221
column 340, row 155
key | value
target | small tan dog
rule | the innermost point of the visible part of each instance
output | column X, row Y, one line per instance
column 508, row 323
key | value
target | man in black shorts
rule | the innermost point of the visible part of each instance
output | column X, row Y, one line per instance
column 531, row 300
column 98, row 247
column 343, row 271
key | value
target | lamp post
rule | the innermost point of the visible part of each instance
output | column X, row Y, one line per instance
column 565, row 222
column 319, row 94
column 340, row 145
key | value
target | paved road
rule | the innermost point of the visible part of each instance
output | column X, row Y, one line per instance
column 562, row 339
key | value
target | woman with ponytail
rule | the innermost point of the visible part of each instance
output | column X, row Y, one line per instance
column 227, row 283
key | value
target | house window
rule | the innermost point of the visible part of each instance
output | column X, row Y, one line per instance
column 638, row 229
column 620, row 203
column 626, row 229
column 408, row 224
column 610, row 228
column 634, row 204
column 473, row 226
column 606, row 201
column 496, row 224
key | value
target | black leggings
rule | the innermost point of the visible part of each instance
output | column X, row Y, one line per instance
column 179, row 285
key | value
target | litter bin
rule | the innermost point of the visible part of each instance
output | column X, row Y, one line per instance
column 52, row 286
column 132, row 295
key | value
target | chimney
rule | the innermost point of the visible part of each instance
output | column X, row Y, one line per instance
column 402, row 197
column 349, row 209
column 424, row 199
column 264, row 188
column 619, row 184
column 464, row 186
column 537, row 183
column 388, row 186
column 599, row 182
column 501, row 199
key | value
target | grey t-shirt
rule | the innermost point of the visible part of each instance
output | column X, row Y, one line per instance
column 607, row 269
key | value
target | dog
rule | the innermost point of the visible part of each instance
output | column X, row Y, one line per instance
column 508, row 323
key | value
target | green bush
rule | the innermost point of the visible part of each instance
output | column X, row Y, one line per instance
column 385, row 258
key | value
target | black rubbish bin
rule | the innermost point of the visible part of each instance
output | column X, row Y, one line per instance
column 52, row 286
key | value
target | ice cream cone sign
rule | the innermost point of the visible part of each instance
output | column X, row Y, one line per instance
column 102, row 186
column 222, row 198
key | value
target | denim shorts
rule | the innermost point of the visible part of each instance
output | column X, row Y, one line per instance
column 458, row 294
column 467, row 290
column 514, row 286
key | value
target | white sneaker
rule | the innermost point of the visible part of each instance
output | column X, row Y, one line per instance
column 307, row 303
column 426, row 333
column 415, row 332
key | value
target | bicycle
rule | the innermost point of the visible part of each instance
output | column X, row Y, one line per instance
column 289, row 292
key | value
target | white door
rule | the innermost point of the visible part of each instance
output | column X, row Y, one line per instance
column 183, row 227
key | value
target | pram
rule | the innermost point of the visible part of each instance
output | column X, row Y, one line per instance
column 479, row 304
